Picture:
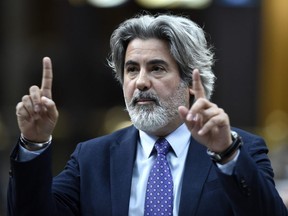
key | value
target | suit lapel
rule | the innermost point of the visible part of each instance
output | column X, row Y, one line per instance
column 122, row 157
column 196, row 170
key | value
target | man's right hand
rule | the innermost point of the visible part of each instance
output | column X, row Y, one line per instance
column 37, row 113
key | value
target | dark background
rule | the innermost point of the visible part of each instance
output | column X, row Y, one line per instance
column 76, row 37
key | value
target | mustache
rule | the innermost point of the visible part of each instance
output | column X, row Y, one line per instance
column 140, row 95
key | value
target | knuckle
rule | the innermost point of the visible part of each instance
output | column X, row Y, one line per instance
column 213, row 121
column 221, row 110
column 25, row 98
column 33, row 88
column 19, row 106
column 202, row 100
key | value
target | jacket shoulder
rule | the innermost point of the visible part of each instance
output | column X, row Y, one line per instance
column 115, row 137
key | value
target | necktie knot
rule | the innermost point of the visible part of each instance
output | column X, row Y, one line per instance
column 162, row 146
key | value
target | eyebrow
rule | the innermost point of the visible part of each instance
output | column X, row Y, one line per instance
column 158, row 61
column 151, row 62
column 130, row 62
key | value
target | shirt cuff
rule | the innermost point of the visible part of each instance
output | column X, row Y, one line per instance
column 26, row 155
column 228, row 168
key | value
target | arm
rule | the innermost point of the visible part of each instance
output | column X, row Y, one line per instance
column 37, row 116
column 29, row 191
column 251, row 187
column 32, row 190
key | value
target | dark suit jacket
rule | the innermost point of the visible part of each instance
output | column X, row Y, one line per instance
column 97, row 181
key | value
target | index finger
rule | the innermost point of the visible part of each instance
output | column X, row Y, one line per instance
column 197, row 87
column 47, row 77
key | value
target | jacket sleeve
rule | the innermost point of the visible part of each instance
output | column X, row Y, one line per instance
column 251, row 188
column 30, row 190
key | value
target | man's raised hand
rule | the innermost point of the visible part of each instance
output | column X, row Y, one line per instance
column 37, row 113
column 207, row 123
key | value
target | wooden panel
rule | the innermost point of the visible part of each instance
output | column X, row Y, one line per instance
column 273, row 91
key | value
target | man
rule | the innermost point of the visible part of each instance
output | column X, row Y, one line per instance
column 202, row 167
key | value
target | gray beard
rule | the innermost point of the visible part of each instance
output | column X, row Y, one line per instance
column 154, row 116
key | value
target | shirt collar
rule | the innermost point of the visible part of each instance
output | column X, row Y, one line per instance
column 178, row 140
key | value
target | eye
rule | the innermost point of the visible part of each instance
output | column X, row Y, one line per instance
column 158, row 70
column 131, row 70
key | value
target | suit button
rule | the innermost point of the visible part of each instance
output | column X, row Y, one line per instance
column 10, row 173
column 243, row 183
column 246, row 190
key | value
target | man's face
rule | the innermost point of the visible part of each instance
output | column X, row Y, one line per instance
column 152, row 87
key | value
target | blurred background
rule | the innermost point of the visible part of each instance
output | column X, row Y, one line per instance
column 250, row 39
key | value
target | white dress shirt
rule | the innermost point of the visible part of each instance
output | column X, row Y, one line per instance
column 179, row 141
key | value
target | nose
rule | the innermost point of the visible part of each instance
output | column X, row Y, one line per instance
column 143, row 82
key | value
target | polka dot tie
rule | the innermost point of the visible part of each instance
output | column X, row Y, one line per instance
column 159, row 192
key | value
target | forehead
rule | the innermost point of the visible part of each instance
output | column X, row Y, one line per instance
column 139, row 49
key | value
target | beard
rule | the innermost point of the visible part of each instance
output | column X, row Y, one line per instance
column 153, row 116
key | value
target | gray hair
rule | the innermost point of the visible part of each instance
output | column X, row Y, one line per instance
column 186, row 39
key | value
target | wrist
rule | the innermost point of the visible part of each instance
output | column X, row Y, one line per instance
column 229, row 153
column 230, row 158
column 34, row 146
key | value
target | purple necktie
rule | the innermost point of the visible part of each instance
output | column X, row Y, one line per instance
column 159, row 192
